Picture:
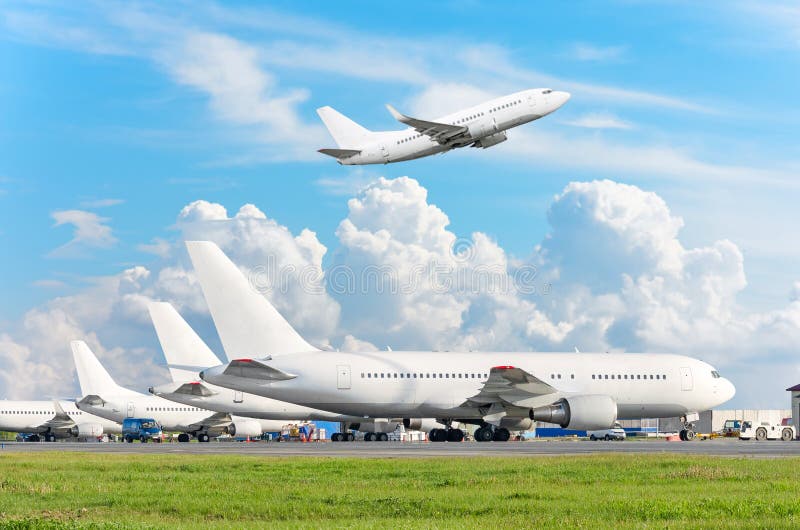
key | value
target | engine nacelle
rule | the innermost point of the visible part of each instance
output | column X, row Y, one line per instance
column 86, row 430
column 412, row 424
column 592, row 412
column 517, row 424
column 493, row 139
column 244, row 429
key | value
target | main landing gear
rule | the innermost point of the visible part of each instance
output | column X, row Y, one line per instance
column 489, row 434
column 376, row 437
column 343, row 437
column 446, row 435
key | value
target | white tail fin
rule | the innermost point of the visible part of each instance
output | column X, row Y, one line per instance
column 346, row 133
column 184, row 350
column 92, row 377
column 248, row 325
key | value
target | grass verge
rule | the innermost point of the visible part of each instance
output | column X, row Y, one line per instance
column 86, row 490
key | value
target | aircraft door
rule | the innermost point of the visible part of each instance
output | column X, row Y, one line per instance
column 343, row 377
column 131, row 409
column 238, row 396
column 532, row 101
column 384, row 153
column 686, row 378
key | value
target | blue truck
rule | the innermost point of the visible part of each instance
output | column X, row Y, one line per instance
column 142, row 429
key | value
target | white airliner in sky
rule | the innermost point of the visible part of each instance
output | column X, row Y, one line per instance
column 483, row 125
column 53, row 419
column 103, row 397
column 254, row 326
column 498, row 391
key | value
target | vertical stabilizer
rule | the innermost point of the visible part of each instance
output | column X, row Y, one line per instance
column 247, row 323
column 346, row 133
column 94, row 380
column 184, row 350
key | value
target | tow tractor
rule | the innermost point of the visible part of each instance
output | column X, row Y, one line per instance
column 767, row 431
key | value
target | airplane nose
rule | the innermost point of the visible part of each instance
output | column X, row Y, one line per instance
column 562, row 97
column 727, row 390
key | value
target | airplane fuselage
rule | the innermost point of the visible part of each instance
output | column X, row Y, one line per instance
column 438, row 385
column 31, row 417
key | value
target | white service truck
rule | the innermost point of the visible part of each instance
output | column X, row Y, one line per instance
column 767, row 431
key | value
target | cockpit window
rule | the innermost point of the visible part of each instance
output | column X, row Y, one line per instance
column 715, row 374
column 548, row 91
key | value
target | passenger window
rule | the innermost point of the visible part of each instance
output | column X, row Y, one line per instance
column 559, row 376
column 592, row 376
column 663, row 377
column 369, row 376
column 651, row 376
column 362, row 375
column 606, row 376
column 572, row 376
column 552, row 376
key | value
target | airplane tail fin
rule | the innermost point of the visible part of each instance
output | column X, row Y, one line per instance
column 346, row 133
column 247, row 323
column 93, row 378
column 184, row 350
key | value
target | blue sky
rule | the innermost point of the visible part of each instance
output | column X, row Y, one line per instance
column 121, row 114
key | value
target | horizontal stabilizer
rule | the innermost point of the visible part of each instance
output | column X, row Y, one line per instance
column 339, row 153
column 253, row 369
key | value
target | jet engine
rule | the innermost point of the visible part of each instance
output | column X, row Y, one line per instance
column 516, row 424
column 412, row 424
column 243, row 429
column 86, row 430
column 591, row 412
column 492, row 139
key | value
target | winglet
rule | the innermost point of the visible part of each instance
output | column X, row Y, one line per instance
column 396, row 115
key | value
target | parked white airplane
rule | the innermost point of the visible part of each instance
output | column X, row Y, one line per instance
column 483, row 125
column 255, row 326
column 53, row 419
column 498, row 391
column 105, row 398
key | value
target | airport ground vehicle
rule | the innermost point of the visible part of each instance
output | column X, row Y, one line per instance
column 731, row 428
column 767, row 431
column 614, row 433
column 142, row 429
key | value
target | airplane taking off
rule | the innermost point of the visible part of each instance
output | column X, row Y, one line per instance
column 496, row 390
column 52, row 420
column 103, row 397
column 483, row 125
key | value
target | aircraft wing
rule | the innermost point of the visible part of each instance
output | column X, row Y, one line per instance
column 217, row 422
column 441, row 132
column 60, row 421
column 510, row 388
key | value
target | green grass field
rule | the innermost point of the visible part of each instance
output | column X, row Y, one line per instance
column 120, row 491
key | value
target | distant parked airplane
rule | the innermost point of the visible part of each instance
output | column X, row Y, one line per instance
column 483, row 125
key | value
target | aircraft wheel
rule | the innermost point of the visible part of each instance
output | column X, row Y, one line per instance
column 368, row 437
column 183, row 437
column 682, row 435
column 761, row 434
column 336, row 437
column 382, row 437
column 34, row 438
column 690, row 435
column 786, row 435
column 484, row 434
column 351, row 437
column 455, row 435
column 501, row 435
column 203, row 437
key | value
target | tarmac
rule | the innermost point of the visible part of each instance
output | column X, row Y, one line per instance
column 361, row 449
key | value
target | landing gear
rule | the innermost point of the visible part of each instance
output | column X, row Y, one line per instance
column 203, row 437
column 343, row 437
column 368, row 437
column 183, row 437
column 33, row 438
column 501, row 435
column 49, row 437
column 437, row 435
column 336, row 437
column 484, row 434
column 381, row 437
column 687, row 435
column 455, row 435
